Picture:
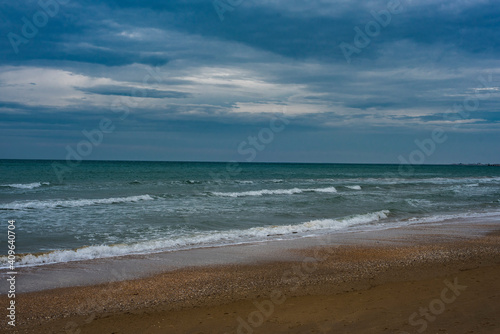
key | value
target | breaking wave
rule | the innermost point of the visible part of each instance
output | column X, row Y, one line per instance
column 26, row 185
column 200, row 239
column 20, row 205
column 274, row 192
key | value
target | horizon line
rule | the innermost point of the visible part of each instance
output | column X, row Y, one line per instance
column 265, row 162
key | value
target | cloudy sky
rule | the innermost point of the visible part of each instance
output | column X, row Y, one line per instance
column 251, row 80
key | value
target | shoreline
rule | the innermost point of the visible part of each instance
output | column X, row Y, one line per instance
column 346, row 267
column 380, row 220
column 130, row 267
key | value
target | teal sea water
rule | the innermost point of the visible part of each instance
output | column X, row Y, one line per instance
column 103, row 209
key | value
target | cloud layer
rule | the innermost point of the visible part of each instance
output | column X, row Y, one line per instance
column 179, row 83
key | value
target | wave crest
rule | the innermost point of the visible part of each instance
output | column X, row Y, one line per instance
column 26, row 185
column 201, row 239
column 72, row 203
column 274, row 192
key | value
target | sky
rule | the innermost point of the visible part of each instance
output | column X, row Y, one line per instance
column 348, row 81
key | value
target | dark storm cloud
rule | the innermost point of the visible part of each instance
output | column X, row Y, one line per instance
column 88, row 31
column 284, row 29
column 430, row 57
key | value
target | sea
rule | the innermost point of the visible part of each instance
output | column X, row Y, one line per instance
column 103, row 209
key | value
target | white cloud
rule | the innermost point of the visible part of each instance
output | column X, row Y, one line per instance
column 274, row 108
column 36, row 86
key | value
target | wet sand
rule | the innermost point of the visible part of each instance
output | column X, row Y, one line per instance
column 433, row 282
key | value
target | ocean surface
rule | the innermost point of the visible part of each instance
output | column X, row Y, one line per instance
column 103, row 209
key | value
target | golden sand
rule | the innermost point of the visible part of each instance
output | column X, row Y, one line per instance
column 426, row 287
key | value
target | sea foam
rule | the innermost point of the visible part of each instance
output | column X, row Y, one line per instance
column 274, row 192
column 26, row 185
column 196, row 240
column 20, row 205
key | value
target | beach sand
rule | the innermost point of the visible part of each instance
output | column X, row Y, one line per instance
column 395, row 281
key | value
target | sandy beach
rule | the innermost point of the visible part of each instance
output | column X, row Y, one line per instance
column 423, row 279
column 249, row 167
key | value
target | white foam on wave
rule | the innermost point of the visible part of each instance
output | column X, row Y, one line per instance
column 335, row 224
column 244, row 182
column 260, row 192
column 434, row 180
column 416, row 203
column 354, row 187
column 274, row 192
column 446, row 217
column 323, row 190
column 26, row 185
column 20, row 205
column 200, row 239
